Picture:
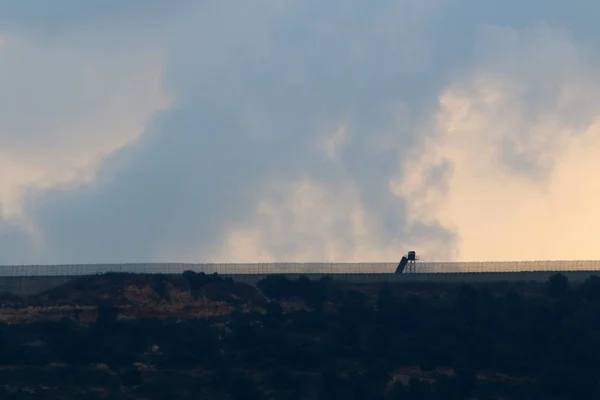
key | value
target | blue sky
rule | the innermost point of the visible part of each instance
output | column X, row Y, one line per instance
column 298, row 131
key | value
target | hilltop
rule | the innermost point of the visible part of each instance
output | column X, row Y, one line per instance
column 196, row 336
column 191, row 295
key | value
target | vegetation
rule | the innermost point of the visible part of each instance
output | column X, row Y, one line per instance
column 307, row 340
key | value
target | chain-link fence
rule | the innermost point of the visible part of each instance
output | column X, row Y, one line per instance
column 509, row 266
column 298, row 268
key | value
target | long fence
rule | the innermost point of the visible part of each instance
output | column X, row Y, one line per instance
column 298, row 268
column 33, row 279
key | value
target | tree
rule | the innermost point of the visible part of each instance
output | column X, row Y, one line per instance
column 276, row 287
column 107, row 313
column 558, row 285
column 160, row 287
column 131, row 377
column 244, row 388
column 590, row 289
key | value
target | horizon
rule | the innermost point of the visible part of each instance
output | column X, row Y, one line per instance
column 295, row 268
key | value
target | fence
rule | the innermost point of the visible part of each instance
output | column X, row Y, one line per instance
column 298, row 268
column 509, row 266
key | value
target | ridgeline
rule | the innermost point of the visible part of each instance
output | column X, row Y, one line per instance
column 197, row 336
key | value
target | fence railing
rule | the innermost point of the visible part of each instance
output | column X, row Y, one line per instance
column 298, row 268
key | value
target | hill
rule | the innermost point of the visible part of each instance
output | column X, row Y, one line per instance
column 196, row 336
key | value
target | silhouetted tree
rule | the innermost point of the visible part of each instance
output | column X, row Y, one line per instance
column 590, row 289
column 131, row 377
column 160, row 287
column 107, row 313
column 558, row 285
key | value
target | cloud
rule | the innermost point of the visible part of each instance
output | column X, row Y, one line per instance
column 291, row 131
column 64, row 107
column 253, row 107
column 315, row 222
column 69, row 17
column 519, row 135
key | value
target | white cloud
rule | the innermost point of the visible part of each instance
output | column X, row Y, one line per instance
column 65, row 105
column 257, row 92
column 298, row 130
column 332, row 144
column 309, row 221
column 522, row 139
column 312, row 221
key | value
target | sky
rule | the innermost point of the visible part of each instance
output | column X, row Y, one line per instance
column 211, row 131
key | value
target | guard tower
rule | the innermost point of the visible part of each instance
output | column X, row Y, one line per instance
column 408, row 263
column 412, row 261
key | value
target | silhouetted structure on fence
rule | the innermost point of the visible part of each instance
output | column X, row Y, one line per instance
column 408, row 263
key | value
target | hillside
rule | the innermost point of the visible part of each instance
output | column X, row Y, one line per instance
column 193, row 336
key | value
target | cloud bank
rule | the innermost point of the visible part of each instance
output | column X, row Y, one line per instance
column 297, row 131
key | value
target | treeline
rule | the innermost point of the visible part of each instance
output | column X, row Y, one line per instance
column 344, row 342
